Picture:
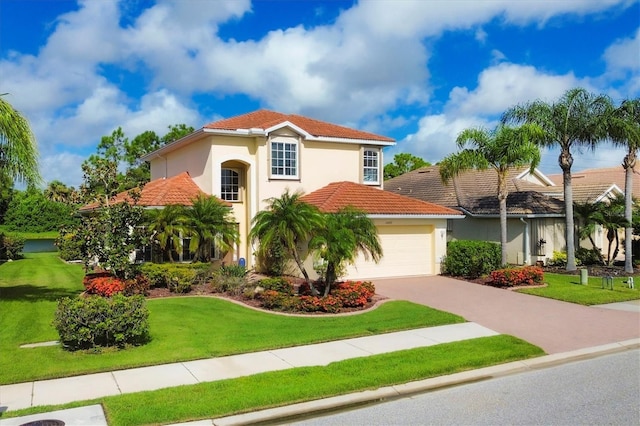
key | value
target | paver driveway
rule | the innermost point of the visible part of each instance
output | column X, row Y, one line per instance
column 553, row 325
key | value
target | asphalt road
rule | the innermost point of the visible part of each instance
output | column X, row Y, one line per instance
column 603, row 390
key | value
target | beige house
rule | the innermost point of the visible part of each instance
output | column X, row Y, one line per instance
column 247, row 159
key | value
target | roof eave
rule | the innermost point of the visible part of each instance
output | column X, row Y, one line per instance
column 415, row 216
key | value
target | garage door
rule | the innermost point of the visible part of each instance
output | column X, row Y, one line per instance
column 407, row 252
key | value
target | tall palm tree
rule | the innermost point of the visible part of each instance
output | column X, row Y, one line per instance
column 167, row 226
column 18, row 147
column 625, row 131
column 499, row 149
column 578, row 118
column 287, row 221
column 343, row 235
column 209, row 222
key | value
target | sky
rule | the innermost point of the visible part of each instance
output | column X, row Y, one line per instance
column 419, row 71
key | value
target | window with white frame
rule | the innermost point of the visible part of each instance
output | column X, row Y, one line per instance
column 284, row 159
column 371, row 166
column 230, row 185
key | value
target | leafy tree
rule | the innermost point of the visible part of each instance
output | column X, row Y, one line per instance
column 6, row 193
column 289, row 223
column 625, row 131
column 61, row 193
column 18, row 147
column 343, row 235
column 209, row 222
column 176, row 131
column 578, row 118
column 500, row 149
column 403, row 163
column 166, row 226
column 31, row 211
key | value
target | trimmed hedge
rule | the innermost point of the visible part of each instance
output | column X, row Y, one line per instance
column 471, row 259
column 95, row 321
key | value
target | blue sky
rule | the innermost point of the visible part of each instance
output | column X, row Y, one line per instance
column 418, row 71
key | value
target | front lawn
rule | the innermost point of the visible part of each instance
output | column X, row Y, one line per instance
column 182, row 328
column 226, row 397
column 567, row 288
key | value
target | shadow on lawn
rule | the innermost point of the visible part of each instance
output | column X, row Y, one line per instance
column 33, row 293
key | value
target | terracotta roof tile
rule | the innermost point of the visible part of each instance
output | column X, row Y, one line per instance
column 337, row 195
column 179, row 189
column 264, row 119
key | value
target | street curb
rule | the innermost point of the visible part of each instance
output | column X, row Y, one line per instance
column 412, row 388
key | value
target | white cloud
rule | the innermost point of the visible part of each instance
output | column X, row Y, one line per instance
column 63, row 166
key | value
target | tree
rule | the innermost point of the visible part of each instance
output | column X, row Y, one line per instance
column 59, row 192
column 18, row 147
column 499, row 149
column 31, row 211
column 587, row 216
column 403, row 163
column 578, row 118
column 288, row 222
column 209, row 222
column 611, row 217
column 625, row 131
column 167, row 226
column 343, row 235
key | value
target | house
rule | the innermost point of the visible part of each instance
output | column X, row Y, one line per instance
column 247, row 159
column 535, row 219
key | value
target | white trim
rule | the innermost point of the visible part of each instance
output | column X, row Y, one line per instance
column 415, row 216
column 285, row 140
column 378, row 166
column 612, row 189
column 538, row 174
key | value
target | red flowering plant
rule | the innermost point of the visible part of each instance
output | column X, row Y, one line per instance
column 513, row 277
column 103, row 284
column 354, row 294
column 329, row 304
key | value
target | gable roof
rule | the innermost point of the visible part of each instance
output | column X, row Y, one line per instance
column 372, row 201
column 267, row 120
column 599, row 178
column 475, row 191
column 179, row 189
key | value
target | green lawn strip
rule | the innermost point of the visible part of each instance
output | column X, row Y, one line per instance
column 267, row 390
column 568, row 288
column 182, row 328
column 31, row 235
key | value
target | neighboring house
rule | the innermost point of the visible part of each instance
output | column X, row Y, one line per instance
column 250, row 158
column 535, row 221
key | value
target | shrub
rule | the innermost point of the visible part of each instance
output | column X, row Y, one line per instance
column 11, row 246
column 70, row 246
column 224, row 284
column 354, row 294
column 177, row 277
column 276, row 300
column 559, row 258
column 232, row 270
column 137, row 285
column 103, row 284
column 279, row 284
column 329, row 304
column 305, row 289
column 585, row 256
column 471, row 259
column 511, row 277
column 93, row 321
column 181, row 280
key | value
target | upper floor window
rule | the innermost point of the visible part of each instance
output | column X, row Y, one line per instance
column 371, row 166
column 284, row 159
column 230, row 185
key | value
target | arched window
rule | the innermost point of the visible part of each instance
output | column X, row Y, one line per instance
column 230, row 185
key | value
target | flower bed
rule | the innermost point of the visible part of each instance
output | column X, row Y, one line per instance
column 516, row 277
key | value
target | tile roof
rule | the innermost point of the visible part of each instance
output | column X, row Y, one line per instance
column 475, row 191
column 337, row 195
column 179, row 189
column 604, row 177
column 265, row 119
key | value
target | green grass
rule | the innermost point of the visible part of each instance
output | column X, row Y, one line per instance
column 266, row 390
column 567, row 288
column 183, row 328
column 31, row 235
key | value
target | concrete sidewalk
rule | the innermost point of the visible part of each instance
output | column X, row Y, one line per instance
column 91, row 386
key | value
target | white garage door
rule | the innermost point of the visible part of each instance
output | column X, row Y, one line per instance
column 407, row 251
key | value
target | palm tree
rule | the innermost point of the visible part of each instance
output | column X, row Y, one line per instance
column 625, row 131
column 58, row 192
column 502, row 148
column 18, row 147
column 209, row 222
column 578, row 118
column 166, row 225
column 343, row 235
column 287, row 221
column 611, row 217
